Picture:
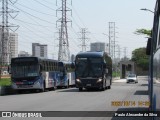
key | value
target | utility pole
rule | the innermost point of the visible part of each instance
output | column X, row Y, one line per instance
column 83, row 38
column 64, row 53
column 112, row 39
column 5, row 52
column 118, row 52
column 125, row 53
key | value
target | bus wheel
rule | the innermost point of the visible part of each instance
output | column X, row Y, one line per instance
column 67, row 86
column 80, row 89
column 43, row 89
column 109, row 87
column 19, row 91
column 102, row 88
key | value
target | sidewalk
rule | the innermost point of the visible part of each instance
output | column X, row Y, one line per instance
column 117, row 79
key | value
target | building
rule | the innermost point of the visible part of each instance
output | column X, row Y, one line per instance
column 23, row 54
column 99, row 46
column 11, row 45
column 13, row 38
column 73, row 58
column 39, row 50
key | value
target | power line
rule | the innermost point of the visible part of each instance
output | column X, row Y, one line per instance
column 34, row 19
column 35, row 10
column 31, row 23
column 32, row 15
column 44, row 5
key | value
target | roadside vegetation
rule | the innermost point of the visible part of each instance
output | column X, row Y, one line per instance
column 5, row 81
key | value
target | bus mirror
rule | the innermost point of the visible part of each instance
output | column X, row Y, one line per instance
column 148, row 49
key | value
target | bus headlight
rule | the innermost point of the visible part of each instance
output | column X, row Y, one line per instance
column 99, row 80
column 78, row 80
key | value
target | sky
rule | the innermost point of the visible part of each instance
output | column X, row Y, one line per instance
column 37, row 21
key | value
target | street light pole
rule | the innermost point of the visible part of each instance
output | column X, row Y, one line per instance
column 145, row 9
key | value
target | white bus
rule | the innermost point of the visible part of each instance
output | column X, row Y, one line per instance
column 33, row 73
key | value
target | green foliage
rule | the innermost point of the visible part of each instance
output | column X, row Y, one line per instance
column 5, row 81
column 140, row 58
column 115, row 74
column 143, row 32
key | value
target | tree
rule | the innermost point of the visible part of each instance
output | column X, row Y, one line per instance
column 140, row 58
column 143, row 32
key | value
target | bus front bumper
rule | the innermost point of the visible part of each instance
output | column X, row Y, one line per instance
column 37, row 85
column 89, row 83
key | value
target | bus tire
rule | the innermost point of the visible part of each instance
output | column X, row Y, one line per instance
column 102, row 88
column 80, row 89
column 43, row 89
column 19, row 91
column 67, row 84
column 109, row 87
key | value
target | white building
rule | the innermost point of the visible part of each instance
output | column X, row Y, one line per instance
column 13, row 37
column 99, row 46
column 11, row 45
column 39, row 50
column 23, row 54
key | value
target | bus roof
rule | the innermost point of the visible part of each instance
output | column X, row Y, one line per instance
column 90, row 54
column 31, row 58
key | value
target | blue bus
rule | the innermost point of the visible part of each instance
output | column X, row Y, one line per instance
column 33, row 73
column 93, row 70
column 67, row 75
column 153, row 49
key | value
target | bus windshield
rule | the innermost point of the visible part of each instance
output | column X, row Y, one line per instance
column 25, row 70
column 89, row 67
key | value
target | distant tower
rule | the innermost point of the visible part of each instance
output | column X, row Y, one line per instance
column 5, row 53
column 5, row 34
column 112, row 39
column 83, row 38
column 64, row 53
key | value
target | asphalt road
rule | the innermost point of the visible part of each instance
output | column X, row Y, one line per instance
column 131, row 96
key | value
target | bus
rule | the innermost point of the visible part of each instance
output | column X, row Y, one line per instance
column 93, row 70
column 33, row 73
column 153, row 49
column 67, row 76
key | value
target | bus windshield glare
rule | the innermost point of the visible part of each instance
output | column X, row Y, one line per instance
column 25, row 70
column 91, row 67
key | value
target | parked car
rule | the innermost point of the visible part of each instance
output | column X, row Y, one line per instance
column 132, row 78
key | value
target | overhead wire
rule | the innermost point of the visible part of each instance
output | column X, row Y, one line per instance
column 35, row 10
column 32, row 15
column 44, row 5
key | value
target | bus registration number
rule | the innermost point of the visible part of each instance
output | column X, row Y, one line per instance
column 24, row 86
column 88, row 85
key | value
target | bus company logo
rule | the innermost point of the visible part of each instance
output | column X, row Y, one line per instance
column 6, row 114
